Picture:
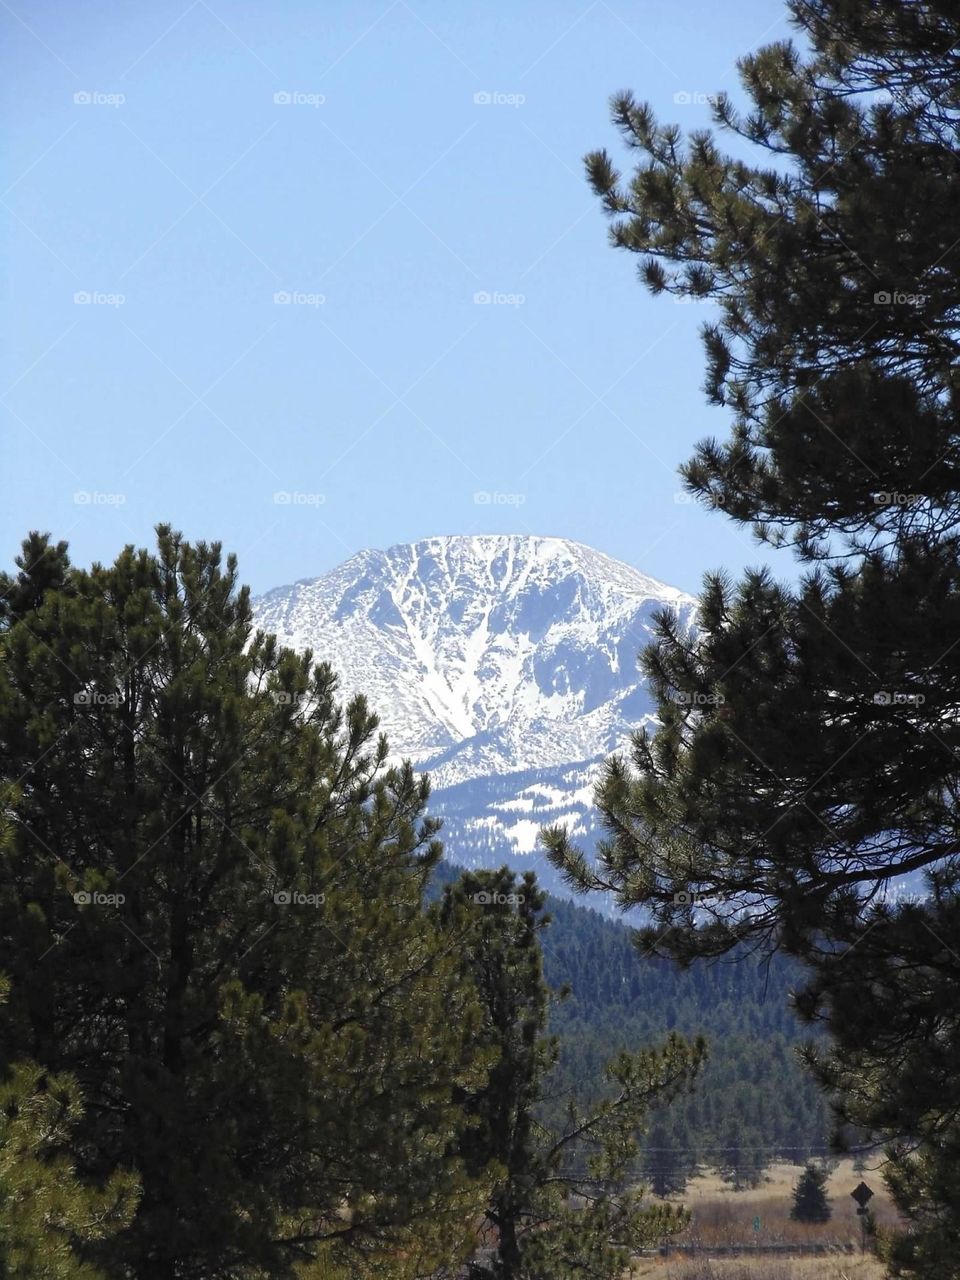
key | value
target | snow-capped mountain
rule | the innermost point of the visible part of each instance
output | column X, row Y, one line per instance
column 506, row 666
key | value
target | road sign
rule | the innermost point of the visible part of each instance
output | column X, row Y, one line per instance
column 757, row 1224
column 862, row 1194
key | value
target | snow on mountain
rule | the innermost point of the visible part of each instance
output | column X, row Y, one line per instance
column 506, row 666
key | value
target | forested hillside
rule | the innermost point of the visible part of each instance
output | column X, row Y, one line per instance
column 754, row 1102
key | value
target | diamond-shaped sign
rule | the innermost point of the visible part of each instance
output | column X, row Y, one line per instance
column 862, row 1194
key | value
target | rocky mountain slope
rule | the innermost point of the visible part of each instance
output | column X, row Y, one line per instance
column 506, row 666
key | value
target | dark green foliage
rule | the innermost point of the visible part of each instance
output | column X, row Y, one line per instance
column 560, row 1205
column 47, row 1217
column 753, row 1072
column 741, row 1158
column 926, row 1186
column 855, row 193
column 810, row 1203
column 210, row 912
column 211, row 907
column 665, row 1166
column 809, row 751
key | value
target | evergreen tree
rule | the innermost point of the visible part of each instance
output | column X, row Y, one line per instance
column 740, row 1160
column 810, row 1203
column 47, row 1217
column 664, row 1167
column 560, row 1205
column 740, row 1007
column 809, row 749
column 211, row 914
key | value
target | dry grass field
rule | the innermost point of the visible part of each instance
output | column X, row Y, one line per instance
column 814, row 1268
column 723, row 1217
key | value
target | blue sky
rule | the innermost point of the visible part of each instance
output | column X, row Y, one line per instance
column 175, row 169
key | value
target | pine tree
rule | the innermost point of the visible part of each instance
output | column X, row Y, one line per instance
column 48, row 1218
column 211, row 914
column 808, row 751
column 665, row 1167
column 740, row 1160
column 810, row 1203
column 561, row 1206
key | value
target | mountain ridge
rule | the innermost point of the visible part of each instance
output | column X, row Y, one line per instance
column 502, row 664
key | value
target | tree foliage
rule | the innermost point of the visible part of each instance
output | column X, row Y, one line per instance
column 561, row 1205
column 810, row 1203
column 210, row 910
column 753, row 1072
column 807, row 754
column 48, row 1218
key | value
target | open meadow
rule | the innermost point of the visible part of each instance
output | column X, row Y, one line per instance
column 722, row 1218
column 762, row 1268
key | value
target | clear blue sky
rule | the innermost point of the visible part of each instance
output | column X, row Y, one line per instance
column 183, row 187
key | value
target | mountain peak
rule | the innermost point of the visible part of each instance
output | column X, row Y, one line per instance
column 502, row 555
column 487, row 657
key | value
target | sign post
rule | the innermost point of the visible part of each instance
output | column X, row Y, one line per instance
column 862, row 1194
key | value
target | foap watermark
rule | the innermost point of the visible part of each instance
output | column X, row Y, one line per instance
column 494, row 498
column 94, row 698
column 94, row 298
column 694, row 98
column 96, row 98
column 297, row 98
column 696, row 699
column 497, row 98
column 897, row 698
column 485, row 899
column 94, row 898
column 283, row 698
column 484, row 298
column 294, row 898
column 297, row 298
column 894, row 498
column 294, row 498
column 711, row 500
column 897, row 298
column 95, row 498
